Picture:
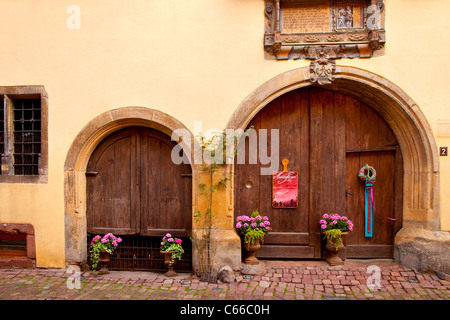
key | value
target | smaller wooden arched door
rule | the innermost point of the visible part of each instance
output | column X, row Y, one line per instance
column 134, row 188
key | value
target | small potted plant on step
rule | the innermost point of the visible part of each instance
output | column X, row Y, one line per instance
column 254, row 229
column 100, row 250
column 334, row 227
column 172, row 250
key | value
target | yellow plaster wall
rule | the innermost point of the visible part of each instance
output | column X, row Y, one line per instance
column 193, row 59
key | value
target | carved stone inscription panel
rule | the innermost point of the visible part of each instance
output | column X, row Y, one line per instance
column 305, row 29
column 306, row 18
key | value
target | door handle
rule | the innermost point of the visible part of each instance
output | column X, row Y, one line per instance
column 348, row 193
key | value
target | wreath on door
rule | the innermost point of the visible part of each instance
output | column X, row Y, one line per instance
column 367, row 174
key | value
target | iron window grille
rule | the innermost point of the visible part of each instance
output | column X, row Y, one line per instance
column 142, row 253
column 23, row 134
column 27, row 136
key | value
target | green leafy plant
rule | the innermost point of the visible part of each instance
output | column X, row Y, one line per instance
column 253, row 236
column 333, row 225
column 334, row 237
column 108, row 243
column 335, row 221
column 253, row 228
column 173, row 245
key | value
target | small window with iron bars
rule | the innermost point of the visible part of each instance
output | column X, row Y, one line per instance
column 21, row 135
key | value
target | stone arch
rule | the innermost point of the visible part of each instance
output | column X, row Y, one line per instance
column 78, row 157
column 421, row 215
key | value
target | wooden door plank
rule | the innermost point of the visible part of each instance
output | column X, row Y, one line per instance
column 122, row 202
column 321, row 161
column 160, row 232
column 369, row 251
column 352, row 124
column 165, row 194
column 288, row 238
column 353, row 198
column 294, row 146
column 109, row 193
column 340, row 101
column 304, row 159
column 270, row 119
column 279, row 251
column 247, row 178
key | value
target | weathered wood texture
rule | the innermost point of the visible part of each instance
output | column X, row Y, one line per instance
column 133, row 187
column 327, row 137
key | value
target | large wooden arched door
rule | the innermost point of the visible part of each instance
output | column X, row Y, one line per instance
column 327, row 137
column 134, row 188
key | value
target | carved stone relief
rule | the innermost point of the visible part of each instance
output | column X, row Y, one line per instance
column 322, row 68
column 298, row 29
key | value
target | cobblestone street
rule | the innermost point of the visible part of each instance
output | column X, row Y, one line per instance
column 282, row 281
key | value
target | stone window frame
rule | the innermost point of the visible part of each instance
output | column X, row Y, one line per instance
column 25, row 92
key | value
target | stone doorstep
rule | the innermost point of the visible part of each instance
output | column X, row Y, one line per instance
column 18, row 262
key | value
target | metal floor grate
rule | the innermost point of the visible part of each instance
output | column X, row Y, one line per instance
column 139, row 253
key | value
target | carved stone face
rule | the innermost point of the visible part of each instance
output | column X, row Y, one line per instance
column 322, row 71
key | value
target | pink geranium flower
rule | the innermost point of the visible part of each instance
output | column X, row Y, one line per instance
column 108, row 243
column 335, row 221
column 171, row 243
column 255, row 223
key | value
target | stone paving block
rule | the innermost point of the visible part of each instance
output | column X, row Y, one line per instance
column 317, row 281
column 288, row 283
column 345, row 282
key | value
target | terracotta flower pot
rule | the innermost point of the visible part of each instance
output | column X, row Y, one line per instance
column 251, row 252
column 169, row 263
column 333, row 251
column 103, row 260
